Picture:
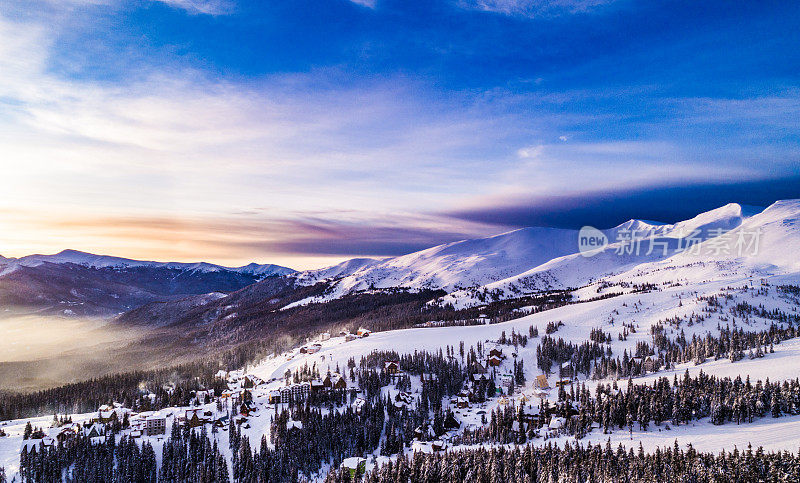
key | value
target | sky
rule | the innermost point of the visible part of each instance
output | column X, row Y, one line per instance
column 307, row 132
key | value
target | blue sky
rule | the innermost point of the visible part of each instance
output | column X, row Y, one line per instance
column 307, row 132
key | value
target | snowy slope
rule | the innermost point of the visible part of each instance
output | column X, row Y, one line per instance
column 654, row 243
column 461, row 264
column 520, row 261
column 765, row 245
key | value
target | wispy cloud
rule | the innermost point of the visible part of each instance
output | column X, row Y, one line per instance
column 534, row 8
column 366, row 3
column 206, row 7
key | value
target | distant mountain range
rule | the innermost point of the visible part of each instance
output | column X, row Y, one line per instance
column 104, row 261
column 471, row 272
column 78, row 283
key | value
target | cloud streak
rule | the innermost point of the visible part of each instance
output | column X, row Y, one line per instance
column 307, row 239
column 604, row 209
column 535, row 8
column 205, row 7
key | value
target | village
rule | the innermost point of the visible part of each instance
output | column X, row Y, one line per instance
column 252, row 402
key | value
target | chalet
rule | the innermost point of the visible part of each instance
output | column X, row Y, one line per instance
column 462, row 403
column 317, row 385
column 530, row 415
column 541, row 382
column 363, row 332
column 67, row 433
column 325, row 336
column 291, row 424
column 334, row 381
column 355, row 466
column 494, row 361
column 304, row 350
column 107, row 414
column 350, row 337
column 649, row 365
column 556, row 422
column 566, row 369
column 193, row 418
column 247, row 408
column 94, row 431
column 155, row 424
column 314, row 348
column 450, row 422
column 497, row 352
column 391, row 367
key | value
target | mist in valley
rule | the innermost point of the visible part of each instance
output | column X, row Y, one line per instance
column 38, row 352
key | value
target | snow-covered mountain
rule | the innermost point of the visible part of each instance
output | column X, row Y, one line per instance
column 104, row 261
column 650, row 244
column 527, row 259
column 461, row 264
